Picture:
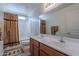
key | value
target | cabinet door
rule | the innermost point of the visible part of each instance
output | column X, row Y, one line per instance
column 34, row 47
column 36, row 51
column 31, row 50
column 31, row 47
column 43, row 53
column 50, row 51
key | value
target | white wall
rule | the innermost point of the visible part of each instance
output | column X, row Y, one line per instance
column 22, row 29
column 35, row 26
column 2, row 24
column 67, row 19
column 28, row 27
column 1, row 19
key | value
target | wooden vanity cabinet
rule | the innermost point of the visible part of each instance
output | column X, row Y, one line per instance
column 34, row 47
column 31, row 47
column 49, row 51
column 40, row 49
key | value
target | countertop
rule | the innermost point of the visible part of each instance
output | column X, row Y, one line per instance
column 70, row 46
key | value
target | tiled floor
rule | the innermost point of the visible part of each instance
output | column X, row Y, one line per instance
column 23, row 51
column 24, row 54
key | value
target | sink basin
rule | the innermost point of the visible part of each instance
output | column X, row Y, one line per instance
column 51, row 41
column 49, row 38
column 71, row 46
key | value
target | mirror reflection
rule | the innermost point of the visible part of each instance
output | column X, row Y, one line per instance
column 63, row 20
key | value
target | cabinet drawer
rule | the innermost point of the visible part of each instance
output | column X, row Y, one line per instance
column 36, row 43
column 50, row 51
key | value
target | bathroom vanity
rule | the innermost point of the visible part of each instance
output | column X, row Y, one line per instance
column 50, row 46
column 39, row 49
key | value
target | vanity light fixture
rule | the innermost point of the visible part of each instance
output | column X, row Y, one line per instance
column 46, row 5
column 49, row 6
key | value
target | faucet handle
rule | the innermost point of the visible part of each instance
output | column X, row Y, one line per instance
column 62, row 39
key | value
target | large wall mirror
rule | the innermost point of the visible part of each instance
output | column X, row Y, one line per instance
column 67, row 20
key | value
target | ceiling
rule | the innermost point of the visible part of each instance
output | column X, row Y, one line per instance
column 28, row 9
column 25, row 9
column 56, row 7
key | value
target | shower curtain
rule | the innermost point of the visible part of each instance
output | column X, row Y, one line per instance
column 11, row 36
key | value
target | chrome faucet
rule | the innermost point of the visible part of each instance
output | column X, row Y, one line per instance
column 61, row 40
column 41, row 35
